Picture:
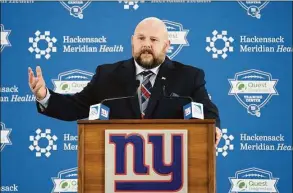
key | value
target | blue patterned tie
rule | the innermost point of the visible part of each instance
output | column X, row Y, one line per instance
column 146, row 87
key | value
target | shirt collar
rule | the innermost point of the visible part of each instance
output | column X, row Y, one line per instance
column 140, row 69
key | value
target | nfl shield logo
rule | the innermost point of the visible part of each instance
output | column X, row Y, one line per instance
column 146, row 161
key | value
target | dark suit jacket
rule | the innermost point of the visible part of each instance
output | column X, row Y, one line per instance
column 119, row 79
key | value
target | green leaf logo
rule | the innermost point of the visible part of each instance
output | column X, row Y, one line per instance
column 242, row 185
column 64, row 185
column 64, row 86
column 241, row 86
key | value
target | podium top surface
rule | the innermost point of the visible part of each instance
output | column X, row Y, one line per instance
column 147, row 121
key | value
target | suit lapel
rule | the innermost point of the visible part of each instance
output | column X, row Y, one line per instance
column 166, row 71
column 128, row 79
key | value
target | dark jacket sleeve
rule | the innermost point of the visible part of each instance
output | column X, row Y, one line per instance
column 200, row 95
column 72, row 107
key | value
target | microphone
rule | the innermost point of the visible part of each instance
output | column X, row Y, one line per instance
column 101, row 111
column 163, row 80
column 191, row 110
column 137, row 84
column 172, row 95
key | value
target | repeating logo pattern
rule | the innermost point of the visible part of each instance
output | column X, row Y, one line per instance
column 4, row 134
column 215, row 49
column 43, row 136
column 47, row 40
column 4, row 37
column 253, row 89
column 227, row 143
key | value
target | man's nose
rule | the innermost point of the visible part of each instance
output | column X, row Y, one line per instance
column 146, row 47
column 147, row 43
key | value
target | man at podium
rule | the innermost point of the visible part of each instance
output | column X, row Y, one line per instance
column 149, row 85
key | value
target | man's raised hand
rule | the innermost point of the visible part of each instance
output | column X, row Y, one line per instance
column 37, row 83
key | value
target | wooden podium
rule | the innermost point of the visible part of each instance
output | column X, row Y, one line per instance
column 200, row 153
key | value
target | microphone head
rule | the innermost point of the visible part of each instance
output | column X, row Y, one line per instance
column 193, row 110
column 163, row 81
column 99, row 112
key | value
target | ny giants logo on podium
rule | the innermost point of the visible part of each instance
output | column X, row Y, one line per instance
column 146, row 161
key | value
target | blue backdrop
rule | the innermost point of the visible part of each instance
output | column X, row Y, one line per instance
column 244, row 48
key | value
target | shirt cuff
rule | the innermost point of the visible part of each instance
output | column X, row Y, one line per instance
column 44, row 101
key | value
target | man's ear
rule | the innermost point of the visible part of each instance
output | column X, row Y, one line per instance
column 132, row 40
column 167, row 45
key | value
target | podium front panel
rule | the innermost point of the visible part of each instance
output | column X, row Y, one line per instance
column 200, row 161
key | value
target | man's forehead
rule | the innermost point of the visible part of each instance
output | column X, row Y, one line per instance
column 148, row 34
column 149, row 29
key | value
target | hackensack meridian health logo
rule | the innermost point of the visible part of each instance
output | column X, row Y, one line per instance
column 66, row 181
column 4, row 37
column 47, row 141
column 42, row 45
column 253, row 180
column 253, row 8
column 253, row 89
column 215, row 44
column 72, row 81
column 4, row 133
column 76, row 7
column 41, row 50
column 228, row 146
column 128, row 4
column 177, row 36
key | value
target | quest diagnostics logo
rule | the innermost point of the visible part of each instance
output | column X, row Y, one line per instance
column 72, row 81
column 253, row 89
column 177, row 36
column 66, row 181
column 253, row 180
